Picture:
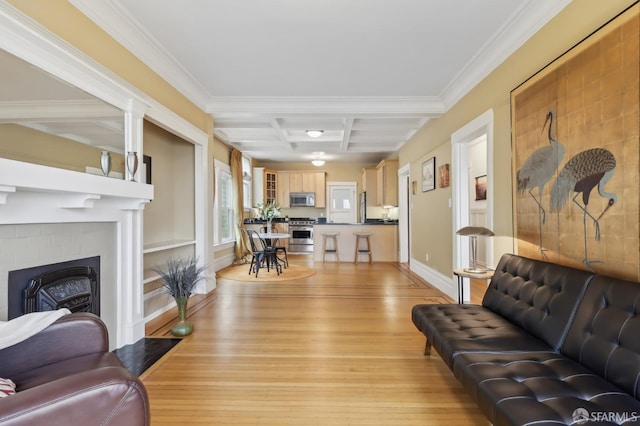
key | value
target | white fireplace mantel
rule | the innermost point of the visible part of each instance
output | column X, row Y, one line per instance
column 37, row 194
column 65, row 189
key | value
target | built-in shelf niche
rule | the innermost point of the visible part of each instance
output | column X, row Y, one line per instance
column 169, row 221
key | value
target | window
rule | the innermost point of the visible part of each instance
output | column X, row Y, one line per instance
column 222, row 207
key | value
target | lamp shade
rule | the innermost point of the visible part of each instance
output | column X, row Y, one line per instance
column 478, row 231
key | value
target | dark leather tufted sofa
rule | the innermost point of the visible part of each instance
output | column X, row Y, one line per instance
column 65, row 375
column 550, row 345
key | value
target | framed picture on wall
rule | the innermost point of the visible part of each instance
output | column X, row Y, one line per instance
column 443, row 172
column 429, row 174
column 481, row 187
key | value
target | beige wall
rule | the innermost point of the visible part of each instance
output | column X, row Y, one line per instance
column 170, row 216
column 428, row 215
column 574, row 23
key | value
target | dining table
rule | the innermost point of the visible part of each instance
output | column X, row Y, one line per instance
column 271, row 239
column 272, row 236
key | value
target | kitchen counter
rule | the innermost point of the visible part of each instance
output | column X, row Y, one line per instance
column 248, row 221
column 369, row 222
column 384, row 241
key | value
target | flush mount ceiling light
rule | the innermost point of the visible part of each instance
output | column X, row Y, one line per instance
column 315, row 133
column 316, row 160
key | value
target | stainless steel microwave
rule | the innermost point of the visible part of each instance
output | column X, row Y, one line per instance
column 302, row 199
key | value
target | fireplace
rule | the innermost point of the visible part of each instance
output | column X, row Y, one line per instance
column 74, row 285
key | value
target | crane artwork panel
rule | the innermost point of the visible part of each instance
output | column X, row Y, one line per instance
column 576, row 154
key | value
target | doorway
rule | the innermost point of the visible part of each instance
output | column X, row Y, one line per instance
column 472, row 141
column 342, row 206
column 404, row 204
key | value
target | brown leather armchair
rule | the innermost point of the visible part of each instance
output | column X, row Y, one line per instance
column 65, row 375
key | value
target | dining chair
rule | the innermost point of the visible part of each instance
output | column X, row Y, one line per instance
column 279, row 249
column 257, row 254
column 262, row 254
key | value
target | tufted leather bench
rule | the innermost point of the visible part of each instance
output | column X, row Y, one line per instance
column 548, row 345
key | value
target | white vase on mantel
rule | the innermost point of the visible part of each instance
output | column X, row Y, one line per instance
column 105, row 162
column 132, row 165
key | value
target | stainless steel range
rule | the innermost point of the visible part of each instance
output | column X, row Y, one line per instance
column 301, row 234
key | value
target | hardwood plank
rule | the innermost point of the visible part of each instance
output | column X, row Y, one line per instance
column 337, row 348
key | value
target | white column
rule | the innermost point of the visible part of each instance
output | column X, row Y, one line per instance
column 131, row 295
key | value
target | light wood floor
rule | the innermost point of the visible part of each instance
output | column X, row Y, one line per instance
column 338, row 348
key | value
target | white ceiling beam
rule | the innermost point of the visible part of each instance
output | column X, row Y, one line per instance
column 348, row 126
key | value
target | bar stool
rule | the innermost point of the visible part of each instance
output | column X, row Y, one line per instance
column 325, row 250
column 364, row 236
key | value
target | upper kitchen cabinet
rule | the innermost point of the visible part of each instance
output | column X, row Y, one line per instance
column 387, row 183
column 368, row 177
column 295, row 181
column 264, row 186
column 316, row 181
column 282, row 196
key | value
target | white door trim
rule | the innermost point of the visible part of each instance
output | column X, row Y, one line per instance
column 404, row 208
column 460, row 139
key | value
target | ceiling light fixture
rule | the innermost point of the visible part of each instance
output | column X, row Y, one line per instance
column 315, row 133
column 317, row 162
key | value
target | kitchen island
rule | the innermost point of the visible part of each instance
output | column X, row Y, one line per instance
column 384, row 240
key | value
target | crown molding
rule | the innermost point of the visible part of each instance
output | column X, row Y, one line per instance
column 298, row 105
column 112, row 18
column 528, row 20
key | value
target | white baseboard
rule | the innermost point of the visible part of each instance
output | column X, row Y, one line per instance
column 170, row 305
column 445, row 284
column 223, row 261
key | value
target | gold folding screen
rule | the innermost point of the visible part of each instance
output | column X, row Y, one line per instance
column 575, row 127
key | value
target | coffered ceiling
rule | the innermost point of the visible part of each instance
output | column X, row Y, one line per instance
column 369, row 73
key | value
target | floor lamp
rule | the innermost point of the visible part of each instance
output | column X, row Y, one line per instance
column 473, row 232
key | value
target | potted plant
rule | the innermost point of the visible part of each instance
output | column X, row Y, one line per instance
column 180, row 280
column 268, row 211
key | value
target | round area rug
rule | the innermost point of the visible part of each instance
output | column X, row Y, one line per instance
column 241, row 273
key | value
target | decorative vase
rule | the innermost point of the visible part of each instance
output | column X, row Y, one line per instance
column 269, row 225
column 182, row 327
column 105, row 162
column 132, row 165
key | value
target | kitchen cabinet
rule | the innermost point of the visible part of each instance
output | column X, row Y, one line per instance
column 368, row 183
column 302, row 182
column 282, row 196
column 295, row 182
column 387, row 183
column 316, row 180
column 264, row 186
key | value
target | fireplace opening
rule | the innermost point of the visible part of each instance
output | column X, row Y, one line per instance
column 74, row 285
